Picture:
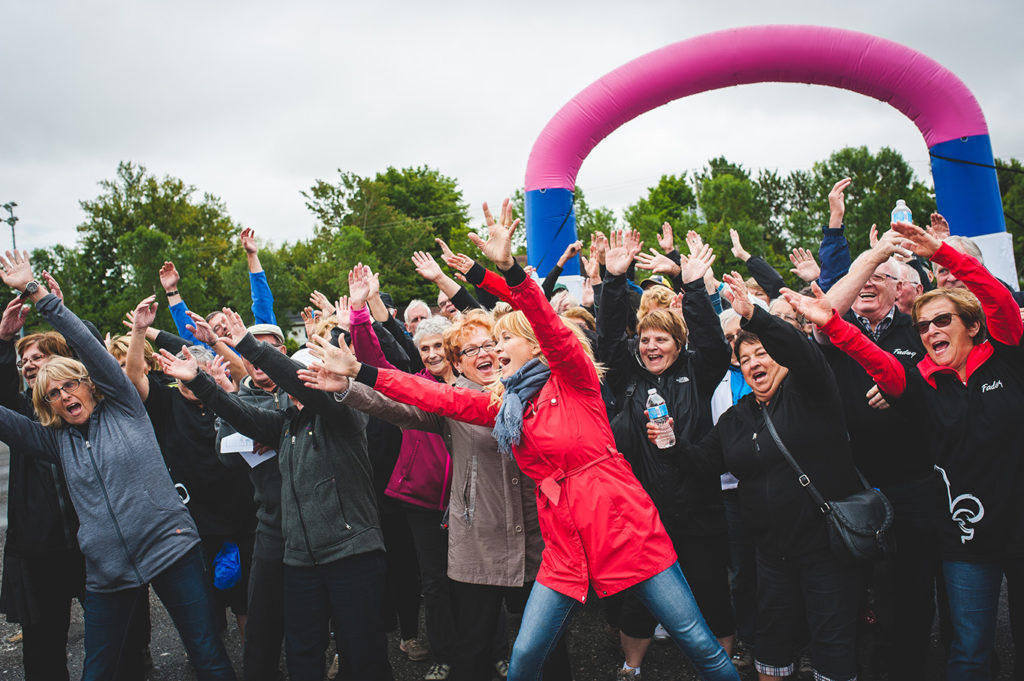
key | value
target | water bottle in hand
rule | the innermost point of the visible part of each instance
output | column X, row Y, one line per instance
column 657, row 412
column 901, row 213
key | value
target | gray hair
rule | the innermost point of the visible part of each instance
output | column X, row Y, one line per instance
column 726, row 316
column 414, row 303
column 201, row 353
column 431, row 326
column 965, row 245
column 910, row 274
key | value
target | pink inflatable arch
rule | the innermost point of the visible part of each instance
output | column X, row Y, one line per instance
column 930, row 95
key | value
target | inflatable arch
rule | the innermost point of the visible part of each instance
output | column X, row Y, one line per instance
column 938, row 103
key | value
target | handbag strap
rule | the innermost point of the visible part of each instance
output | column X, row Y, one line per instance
column 802, row 478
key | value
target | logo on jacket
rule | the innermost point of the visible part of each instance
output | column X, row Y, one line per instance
column 904, row 353
column 965, row 510
column 994, row 385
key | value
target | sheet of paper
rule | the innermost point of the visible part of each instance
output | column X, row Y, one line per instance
column 256, row 459
column 236, row 442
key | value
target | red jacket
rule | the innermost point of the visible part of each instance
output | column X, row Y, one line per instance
column 598, row 523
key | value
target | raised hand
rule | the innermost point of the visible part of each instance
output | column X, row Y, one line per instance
column 17, row 271
column 144, row 314
column 587, row 295
column 426, row 266
column 359, row 286
column 235, row 327
column 337, row 360
column 804, row 265
column 180, row 369
column 817, row 310
column 218, row 370
column 873, row 236
column 318, row 377
column 693, row 241
column 169, row 277
column 591, row 266
column 598, row 247
column 14, row 319
column 457, row 261
column 53, row 286
column 200, row 328
column 248, row 241
column 570, row 250
column 308, row 316
column 666, row 240
column 739, row 299
column 694, row 267
column 917, row 240
column 677, row 304
column 622, row 248
column 344, row 312
column 938, row 226
column 737, row 247
column 322, row 302
column 657, row 263
column 498, row 246
column 837, row 203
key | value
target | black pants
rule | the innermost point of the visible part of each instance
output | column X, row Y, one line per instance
column 264, row 629
column 478, row 609
column 742, row 568
column 432, row 555
column 403, row 577
column 349, row 593
column 819, row 590
column 904, row 582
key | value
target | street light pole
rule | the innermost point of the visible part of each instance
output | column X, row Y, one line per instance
column 12, row 220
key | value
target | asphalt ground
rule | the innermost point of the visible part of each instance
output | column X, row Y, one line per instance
column 595, row 655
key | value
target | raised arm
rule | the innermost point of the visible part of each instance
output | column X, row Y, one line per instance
column 834, row 251
column 135, row 361
column 28, row 436
column 10, row 377
column 887, row 371
column 845, row 291
column 170, row 280
column 262, row 297
column 705, row 330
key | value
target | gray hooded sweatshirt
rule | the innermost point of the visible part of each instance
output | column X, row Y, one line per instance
column 133, row 524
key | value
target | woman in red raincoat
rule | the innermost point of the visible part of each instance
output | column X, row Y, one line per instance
column 599, row 525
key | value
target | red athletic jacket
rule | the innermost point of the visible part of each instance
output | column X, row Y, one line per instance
column 598, row 523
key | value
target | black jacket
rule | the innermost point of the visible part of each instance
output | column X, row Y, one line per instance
column 689, row 502
column 887, row 446
column 808, row 415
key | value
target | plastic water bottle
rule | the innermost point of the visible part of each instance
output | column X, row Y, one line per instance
column 657, row 412
column 901, row 213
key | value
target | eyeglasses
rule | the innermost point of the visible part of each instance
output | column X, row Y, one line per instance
column 940, row 321
column 35, row 359
column 69, row 387
column 880, row 277
column 475, row 350
column 730, row 337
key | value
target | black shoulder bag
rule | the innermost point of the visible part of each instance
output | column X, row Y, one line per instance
column 858, row 525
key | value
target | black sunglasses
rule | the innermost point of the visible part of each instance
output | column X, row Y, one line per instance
column 940, row 321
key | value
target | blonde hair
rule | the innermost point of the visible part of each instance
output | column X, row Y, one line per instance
column 967, row 305
column 516, row 324
column 119, row 349
column 474, row 319
column 58, row 369
column 49, row 342
column 655, row 297
column 583, row 315
column 667, row 321
column 325, row 325
column 500, row 309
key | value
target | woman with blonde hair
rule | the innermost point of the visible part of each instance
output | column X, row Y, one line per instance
column 134, row 529
column 599, row 526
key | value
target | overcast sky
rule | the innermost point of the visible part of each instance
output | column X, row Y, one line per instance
column 252, row 101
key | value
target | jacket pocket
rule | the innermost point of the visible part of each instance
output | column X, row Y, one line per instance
column 330, row 524
column 469, row 492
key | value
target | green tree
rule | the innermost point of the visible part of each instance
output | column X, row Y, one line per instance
column 137, row 222
column 672, row 200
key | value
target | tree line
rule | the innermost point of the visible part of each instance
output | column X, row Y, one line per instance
column 138, row 220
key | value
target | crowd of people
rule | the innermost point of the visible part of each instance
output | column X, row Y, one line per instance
column 503, row 456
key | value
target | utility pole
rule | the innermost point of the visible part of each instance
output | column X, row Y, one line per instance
column 12, row 220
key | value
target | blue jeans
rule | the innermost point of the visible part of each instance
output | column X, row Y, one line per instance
column 973, row 591
column 666, row 595
column 184, row 591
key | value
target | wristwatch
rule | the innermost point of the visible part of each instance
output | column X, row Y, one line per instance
column 31, row 287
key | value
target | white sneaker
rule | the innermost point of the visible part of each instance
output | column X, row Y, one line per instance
column 661, row 635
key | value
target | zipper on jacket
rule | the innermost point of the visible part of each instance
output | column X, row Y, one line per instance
column 298, row 506
column 110, row 510
column 63, row 507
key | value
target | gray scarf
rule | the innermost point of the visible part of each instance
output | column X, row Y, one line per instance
column 520, row 388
